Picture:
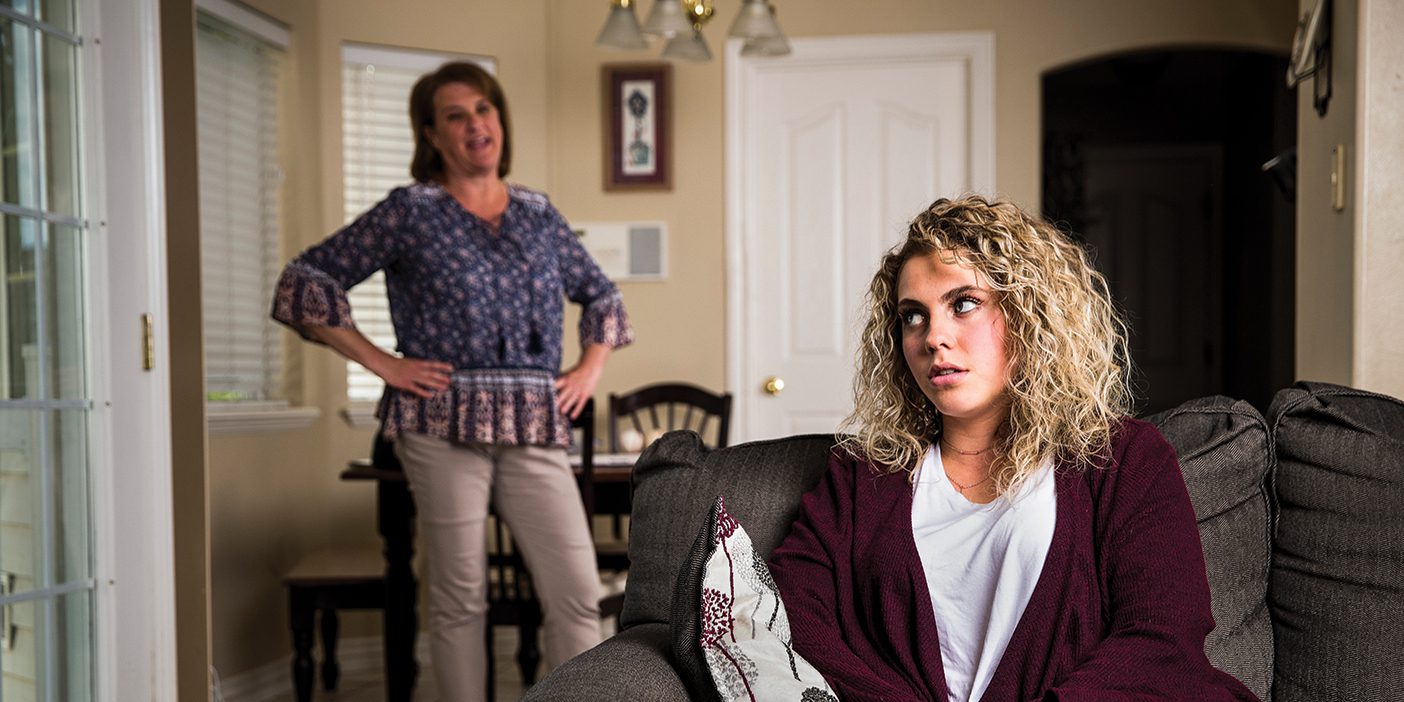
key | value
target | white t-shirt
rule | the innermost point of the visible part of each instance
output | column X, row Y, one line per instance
column 981, row 564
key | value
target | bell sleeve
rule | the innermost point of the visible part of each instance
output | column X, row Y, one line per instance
column 602, row 318
column 311, row 291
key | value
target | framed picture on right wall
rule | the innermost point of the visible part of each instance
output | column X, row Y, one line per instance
column 637, row 119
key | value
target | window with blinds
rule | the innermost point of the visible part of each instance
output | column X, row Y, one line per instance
column 377, row 145
column 238, row 74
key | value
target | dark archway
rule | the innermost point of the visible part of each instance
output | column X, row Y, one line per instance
column 1155, row 159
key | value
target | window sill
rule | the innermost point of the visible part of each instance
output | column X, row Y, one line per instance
column 360, row 415
column 235, row 419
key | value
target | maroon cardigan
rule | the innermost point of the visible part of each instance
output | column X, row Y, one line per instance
column 1119, row 612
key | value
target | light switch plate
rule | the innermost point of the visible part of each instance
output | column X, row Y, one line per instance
column 1338, row 159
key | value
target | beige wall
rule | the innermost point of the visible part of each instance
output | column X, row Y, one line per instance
column 1350, row 301
column 276, row 495
column 189, row 462
column 1325, row 237
column 1379, row 259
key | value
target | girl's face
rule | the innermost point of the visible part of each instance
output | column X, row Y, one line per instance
column 467, row 131
column 953, row 339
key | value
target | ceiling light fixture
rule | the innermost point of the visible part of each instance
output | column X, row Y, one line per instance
column 621, row 29
column 755, row 21
column 692, row 46
column 681, row 23
column 667, row 19
column 773, row 45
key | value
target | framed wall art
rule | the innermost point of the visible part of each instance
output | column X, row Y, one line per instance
column 637, row 124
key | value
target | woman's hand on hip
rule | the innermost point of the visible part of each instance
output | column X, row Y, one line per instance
column 415, row 375
column 412, row 375
column 574, row 387
column 577, row 384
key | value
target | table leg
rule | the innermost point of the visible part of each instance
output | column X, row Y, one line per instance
column 303, row 618
column 331, row 628
column 396, row 508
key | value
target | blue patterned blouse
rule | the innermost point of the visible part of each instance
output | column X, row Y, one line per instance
column 490, row 303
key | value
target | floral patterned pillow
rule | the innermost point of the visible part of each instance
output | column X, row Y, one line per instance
column 741, row 628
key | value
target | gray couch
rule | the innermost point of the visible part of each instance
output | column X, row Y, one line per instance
column 1301, row 515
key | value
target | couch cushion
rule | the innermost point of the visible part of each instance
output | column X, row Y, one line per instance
column 1225, row 456
column 1338, row 554
column 675, row 482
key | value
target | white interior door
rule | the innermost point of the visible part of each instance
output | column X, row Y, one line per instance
column 832, row 150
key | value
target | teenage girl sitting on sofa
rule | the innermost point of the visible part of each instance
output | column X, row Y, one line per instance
column 995, row 527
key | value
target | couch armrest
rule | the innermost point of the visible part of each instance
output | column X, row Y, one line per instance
column 634, row 664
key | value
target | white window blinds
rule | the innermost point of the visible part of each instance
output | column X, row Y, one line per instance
column 237, row 92
column 377, row 145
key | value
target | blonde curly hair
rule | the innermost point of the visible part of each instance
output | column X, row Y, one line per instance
column 1069, row 369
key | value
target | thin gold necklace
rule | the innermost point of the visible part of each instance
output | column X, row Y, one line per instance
column 981, row 481
column 963, row 488
column 964, row 452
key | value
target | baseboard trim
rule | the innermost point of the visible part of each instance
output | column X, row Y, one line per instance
column 272, row 681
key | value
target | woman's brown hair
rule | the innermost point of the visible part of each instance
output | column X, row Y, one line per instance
column 428, row 164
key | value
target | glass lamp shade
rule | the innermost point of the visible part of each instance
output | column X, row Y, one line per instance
column 755, row 20
column 621, row 30
column 688, row 47
column 667, row 19
column 777, row 45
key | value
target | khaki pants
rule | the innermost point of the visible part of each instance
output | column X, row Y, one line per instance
column 535, row 493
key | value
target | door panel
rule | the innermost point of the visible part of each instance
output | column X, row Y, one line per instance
column 841, row 144
column 809, row 232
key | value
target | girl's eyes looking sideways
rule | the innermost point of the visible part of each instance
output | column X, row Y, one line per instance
column 965, row 304
column 961, row 306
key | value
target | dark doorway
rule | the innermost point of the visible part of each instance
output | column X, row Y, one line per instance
column 1155, row 160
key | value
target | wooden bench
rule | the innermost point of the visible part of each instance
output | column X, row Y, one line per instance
column 327, row 581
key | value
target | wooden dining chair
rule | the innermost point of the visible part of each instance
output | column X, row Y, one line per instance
column 653, row 409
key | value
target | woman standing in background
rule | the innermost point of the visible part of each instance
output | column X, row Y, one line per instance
column 476, row 271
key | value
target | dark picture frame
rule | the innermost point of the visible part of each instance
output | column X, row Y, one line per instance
column 637, row 116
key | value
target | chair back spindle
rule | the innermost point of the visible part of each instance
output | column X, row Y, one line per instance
column 655, row 409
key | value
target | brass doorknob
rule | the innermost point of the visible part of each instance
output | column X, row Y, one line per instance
column 774, row 384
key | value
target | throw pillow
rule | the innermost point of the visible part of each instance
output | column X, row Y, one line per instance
column 731, row 634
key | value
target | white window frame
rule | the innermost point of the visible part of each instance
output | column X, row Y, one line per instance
column 368, row 178
column 270, row 413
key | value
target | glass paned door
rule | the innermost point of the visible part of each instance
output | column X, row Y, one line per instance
column 46, row 560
